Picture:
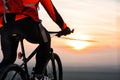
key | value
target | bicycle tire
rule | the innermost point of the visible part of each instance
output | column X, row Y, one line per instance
column 8, row 73
column 54, row 69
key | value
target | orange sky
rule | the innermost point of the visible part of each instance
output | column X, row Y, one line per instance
column 96, row 20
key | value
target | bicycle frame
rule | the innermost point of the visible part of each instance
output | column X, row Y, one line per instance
column 55, row 62
column 26, row 60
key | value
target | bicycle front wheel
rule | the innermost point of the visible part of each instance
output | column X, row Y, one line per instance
column 54, row 68
column 13, row 72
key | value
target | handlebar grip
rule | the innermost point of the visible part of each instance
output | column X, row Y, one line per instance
column 60, row 33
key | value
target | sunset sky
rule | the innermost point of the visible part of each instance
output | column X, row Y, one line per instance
column 95, row 41
column 93, row 20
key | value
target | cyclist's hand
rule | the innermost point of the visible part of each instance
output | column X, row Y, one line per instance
column 64, row 32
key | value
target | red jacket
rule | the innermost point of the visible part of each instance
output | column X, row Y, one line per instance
column 29, row 8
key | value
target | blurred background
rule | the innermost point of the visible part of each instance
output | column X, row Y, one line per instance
column 92, row 52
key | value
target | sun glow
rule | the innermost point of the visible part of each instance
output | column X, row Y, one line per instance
column 80, row 41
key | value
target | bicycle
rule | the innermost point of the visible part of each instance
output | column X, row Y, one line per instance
column 53, row 70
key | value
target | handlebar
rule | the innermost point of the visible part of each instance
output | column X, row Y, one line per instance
column 60, row 32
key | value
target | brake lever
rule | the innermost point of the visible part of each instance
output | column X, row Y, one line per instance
column 72, row 30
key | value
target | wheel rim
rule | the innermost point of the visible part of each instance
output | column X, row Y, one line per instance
column 49, row 70
column 12, row 75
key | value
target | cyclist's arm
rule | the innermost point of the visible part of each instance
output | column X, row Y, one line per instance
column 53, row 13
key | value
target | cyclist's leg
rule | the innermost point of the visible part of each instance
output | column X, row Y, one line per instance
column 9, row 45
column 42, row 56
column 36, row 33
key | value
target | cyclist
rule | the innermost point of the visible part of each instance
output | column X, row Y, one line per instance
column 22, row 18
